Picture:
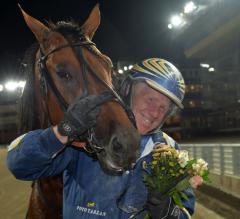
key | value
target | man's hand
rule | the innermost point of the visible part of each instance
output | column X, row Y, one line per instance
column 80, row 116
column 162, row 207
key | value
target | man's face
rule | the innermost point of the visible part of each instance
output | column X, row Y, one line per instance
column 149, row 107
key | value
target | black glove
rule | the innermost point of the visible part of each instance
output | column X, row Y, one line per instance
column 80, row 116
column 162, row 207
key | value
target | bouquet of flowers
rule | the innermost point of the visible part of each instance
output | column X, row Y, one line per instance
column 172, row 172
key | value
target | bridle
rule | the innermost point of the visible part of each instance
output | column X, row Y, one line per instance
column 46, row 81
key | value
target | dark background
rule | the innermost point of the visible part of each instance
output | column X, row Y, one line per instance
column 130, row 29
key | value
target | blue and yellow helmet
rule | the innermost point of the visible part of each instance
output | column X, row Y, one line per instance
column 162, row 76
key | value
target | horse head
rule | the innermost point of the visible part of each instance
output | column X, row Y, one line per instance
column 69, row 65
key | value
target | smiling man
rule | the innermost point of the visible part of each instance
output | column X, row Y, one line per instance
column 154, row 89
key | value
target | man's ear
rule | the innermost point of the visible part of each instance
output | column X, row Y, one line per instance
column 92, row 23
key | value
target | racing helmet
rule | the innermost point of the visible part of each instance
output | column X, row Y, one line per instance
column 159, row 74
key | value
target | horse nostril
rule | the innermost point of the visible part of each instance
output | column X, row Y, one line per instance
column 117, row 146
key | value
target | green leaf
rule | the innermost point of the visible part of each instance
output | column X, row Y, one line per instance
column 182, row 185
column 190, row 163
column 146, row 216
column 183, row 195
column 149, row 181
column 177, row 199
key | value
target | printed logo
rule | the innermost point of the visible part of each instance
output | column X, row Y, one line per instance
column 176, row 211
column 15, row 142
column 91, row 211
column 91, row 204
column 67, row 128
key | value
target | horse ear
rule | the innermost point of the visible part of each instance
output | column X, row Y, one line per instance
column 91, row 24
column 39, row 29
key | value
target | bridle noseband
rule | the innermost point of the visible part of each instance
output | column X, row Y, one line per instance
column 46, row 81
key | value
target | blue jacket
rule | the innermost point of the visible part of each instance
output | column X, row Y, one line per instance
column 88, row 191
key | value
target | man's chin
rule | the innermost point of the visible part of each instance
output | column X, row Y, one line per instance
column 143, row 130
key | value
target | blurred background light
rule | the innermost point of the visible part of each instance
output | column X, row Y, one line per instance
column 204, row 65
column 211, row 69
column 189, row 7
column 170, row 26
column 176, row 20
column 11, row 85
column 21, row 84
column 130, row 67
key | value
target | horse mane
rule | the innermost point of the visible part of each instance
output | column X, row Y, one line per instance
column 27, row 119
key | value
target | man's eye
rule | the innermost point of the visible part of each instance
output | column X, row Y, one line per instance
column 150, row 100
column 64, row 75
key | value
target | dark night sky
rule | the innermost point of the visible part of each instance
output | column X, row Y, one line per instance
column 129, row 30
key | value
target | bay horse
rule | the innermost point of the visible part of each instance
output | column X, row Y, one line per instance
column 63, row 65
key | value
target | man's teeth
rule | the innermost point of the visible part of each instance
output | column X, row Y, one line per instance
column 147, row 121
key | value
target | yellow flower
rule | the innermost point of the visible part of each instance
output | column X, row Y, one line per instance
column 156, row 155
column 181, row 171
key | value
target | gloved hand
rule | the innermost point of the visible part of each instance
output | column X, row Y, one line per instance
column 162, row 207
column 80, row 116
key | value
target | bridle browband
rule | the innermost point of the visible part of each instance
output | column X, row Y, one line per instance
column 46, row 80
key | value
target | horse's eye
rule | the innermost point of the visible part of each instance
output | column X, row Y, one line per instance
column 64, row 75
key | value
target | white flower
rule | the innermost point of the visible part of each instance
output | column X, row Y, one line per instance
column 199, row 167
column 196, row 168
column 200, row 161
column 183, row 158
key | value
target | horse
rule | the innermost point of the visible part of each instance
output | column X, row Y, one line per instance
column 64, row 64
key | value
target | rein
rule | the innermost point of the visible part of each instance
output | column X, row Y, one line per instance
column 46, row 80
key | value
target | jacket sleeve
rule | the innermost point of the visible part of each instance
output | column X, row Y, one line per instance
column 31, row 156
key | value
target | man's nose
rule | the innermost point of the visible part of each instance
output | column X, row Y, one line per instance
column 154, row 112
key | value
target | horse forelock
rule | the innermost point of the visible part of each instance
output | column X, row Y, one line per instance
column 73, row 32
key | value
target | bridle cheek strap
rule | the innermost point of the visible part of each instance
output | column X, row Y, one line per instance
column 47, row 81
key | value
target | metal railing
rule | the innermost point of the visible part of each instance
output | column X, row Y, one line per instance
column 223, row 159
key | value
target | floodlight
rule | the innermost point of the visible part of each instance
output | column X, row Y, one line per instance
column 11, row 85
column 130, row 67
column 125, row 68
column 120, row 71
column 204, row 65
column 1, row 87
column 170, row 26
column 189, row 7
column 176, row 20
column 21, row 84
column 211, row 69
